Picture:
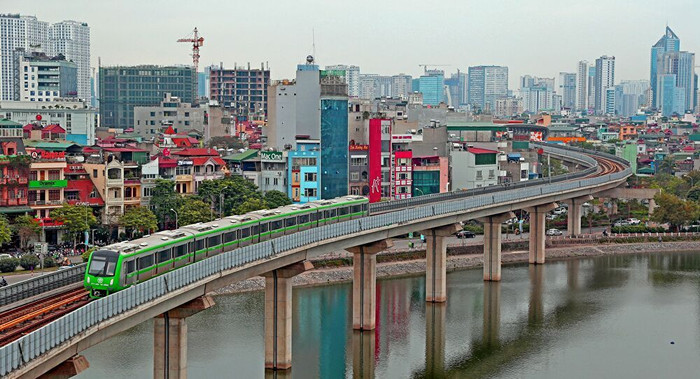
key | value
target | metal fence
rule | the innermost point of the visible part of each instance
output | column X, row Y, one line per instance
column 50, row 336
column 41, row 284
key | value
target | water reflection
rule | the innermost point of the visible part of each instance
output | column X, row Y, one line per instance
column 538, row 322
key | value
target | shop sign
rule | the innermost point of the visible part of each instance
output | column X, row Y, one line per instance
column 271, row 155
column 48, row 155
column 185, row 163
column 40, row 184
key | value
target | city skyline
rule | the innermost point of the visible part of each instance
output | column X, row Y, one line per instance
column 282, row 35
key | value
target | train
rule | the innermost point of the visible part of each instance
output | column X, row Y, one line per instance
column 120, row 265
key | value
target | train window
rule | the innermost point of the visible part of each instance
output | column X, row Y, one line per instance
column 365, row 207
column 275, row 225
column 145, row 262
column 245, row 232
column 303, row 219
column 214, row 241
column 314, row 216
column 230, row 236
column 342, row 211
column 130, row 266
column 163, row 255
column 199, row 245
column 254, row 229
column 263, row 228
column 356, row 208
column 326, row 214
column 190, row 247
column 180, row 250
column 290, row 221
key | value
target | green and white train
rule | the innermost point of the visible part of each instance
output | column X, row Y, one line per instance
column 120, row 265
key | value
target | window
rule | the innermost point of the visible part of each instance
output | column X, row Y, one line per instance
column 94, row 194
column 479, row 175
column 354, row 176
column 275, row 181
column 263, row 228
column 145, row 262
column 54, row 174
column 310, row 176
column 72, row 195
column 147, row 191
column 245, row 232
column 163, row 255
column 492, row 174
column 275, row 225
column 179, row 251
column 310, row 192
column 130, row 266
column 32, row 175
column 199, row 245
column 54, row 195
column 230, row 236
column 94, row 173
column 214, row 241
column 267, row 181
column 290, row 221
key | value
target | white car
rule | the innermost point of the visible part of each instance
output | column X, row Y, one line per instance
column 633, row 221
column 621, row 223
column 560, row 211
column 554, row 232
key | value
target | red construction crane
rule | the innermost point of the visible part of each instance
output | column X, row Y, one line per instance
column 196, row 41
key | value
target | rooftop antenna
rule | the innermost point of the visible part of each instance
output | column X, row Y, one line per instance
column 313, row 42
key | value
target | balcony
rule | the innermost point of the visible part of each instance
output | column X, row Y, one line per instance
column 115, row 182
column 46, row 203
column 183, row 178
column 208, row 176
column 132, row 181
column 13, row 202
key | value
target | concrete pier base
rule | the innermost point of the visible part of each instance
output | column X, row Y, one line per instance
column 363, row 348
column 278, row 315
column 364, row 284
column 492, row 245
column 436, row 262
column 170, row 339
column 68, row 369
column 538, row 227
column 435, row 315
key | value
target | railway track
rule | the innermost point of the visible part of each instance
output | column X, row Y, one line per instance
column 24, row 319
column 606, row 166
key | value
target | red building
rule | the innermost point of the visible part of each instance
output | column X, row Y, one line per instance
column 14, row 176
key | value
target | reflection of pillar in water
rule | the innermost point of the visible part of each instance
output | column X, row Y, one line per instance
column 435, row 339
column 536, row 308
column 278, row 374
column 363, row 345
column 492, row 313
column 572, row 267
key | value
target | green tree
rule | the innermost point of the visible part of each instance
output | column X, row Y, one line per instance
column 5, row 230
column 276, row 199
column 235, row 189
column 674, row 210
column 192, row 211
column 76, row 219
column 252, row 204
column 226, row 142
column 667, row 165
column 139, row 219
column 26, row 227
column 693, row 194
column 163, row 199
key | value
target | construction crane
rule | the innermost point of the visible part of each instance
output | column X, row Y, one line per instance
column 425, row 66
column 197, row 42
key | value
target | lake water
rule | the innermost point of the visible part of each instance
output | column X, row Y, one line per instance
column 635, row 316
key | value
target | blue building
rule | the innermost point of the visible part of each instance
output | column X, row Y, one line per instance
column 304, row 174
column 668, row 43
column 432, row 86
column 334, row 147
column 671, row 97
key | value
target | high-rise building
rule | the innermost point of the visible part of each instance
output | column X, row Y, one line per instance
column 352, row 78
column 369, row 86
column 604, row 79
column 669, row 42
column 582, row 86
column 682, row 65
column 18, row 32
column 537, row 93
column 486, row 84
column 124, row 87
column 44, row 78
column 72, row 40
column 567, row 89
column 591, row 88
column 432, row 86
column 243, row 90
column 630, row 95
column 400, row 86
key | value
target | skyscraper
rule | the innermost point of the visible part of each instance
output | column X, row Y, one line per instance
column 241, row 89
column 567, row 89
column 537, row 93
column 604, row 79
column 582, row 86
column 72, row 40
column 486, row 84
column 18, row 32
column 432, row 86
column 400, row 86
column 352, row 77
column 669, row 42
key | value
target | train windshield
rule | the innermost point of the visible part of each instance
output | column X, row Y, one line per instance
column 104, row 263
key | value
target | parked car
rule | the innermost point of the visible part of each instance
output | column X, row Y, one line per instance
column 551, row 217
column 633, row 221
column 560, row 211
column 465, row 234
column 554, row 232
column 620, row 223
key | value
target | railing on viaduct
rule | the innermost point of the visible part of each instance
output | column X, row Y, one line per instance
column 33, row 345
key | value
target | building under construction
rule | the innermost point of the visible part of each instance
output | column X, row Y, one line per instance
column 242, row 90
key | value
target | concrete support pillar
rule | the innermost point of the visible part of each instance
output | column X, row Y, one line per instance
column 652, row 205
column 363, row 348
column 537, row 231
column 364, row 284
column 68, row 369
column 436, row 262
column 492, row 245
column 170, row 339
column 535, row 314
column 278, row 315
column 435, row 315
column 573, row 224
column 492, row 314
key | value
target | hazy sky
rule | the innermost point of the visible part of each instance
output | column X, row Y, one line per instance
column 538, row 37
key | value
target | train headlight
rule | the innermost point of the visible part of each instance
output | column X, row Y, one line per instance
column 111, row 282
column 88, row 279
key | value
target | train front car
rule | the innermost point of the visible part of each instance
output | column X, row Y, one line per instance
column 102, row 274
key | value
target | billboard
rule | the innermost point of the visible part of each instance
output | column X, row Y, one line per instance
column 375, row 159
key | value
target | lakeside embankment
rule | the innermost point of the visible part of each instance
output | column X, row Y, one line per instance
column 337, row 267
